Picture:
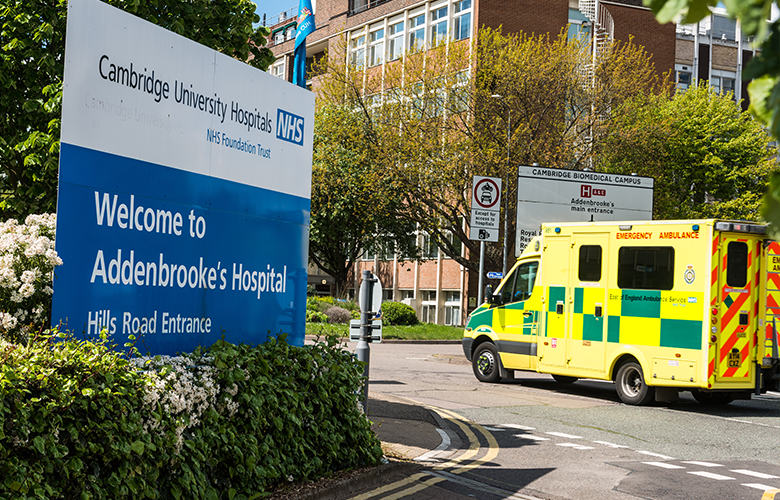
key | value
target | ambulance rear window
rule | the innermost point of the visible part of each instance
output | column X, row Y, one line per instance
column 646, row 268
column 737, row 262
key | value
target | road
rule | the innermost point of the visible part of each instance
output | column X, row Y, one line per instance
column 537, row 438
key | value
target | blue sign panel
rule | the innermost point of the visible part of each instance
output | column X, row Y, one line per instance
column 175, row 223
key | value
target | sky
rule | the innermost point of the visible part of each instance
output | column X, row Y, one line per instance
column 273, row 7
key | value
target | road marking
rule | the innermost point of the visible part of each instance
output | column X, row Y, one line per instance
column 759, row 486
column 531, row 436
column 416, row 358
column 611, row 445
column 759, row 475
column 561, row 434
column 738, row 420
column 445, row 444
column 655, row 455
column 493, row 429
column 575, row 446
column 701, row 464
column 664, row 465
column 480, row 486
column 517, row 426
column 710, row 475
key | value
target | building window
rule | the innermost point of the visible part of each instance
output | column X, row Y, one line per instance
column 438, row 25
column 722, row 82
column 683, row 80
column 376, row 41
column 357, row 50
column 429, row 248
column 406, row 294
column 395, row 34
column 277, row 69
column 724, row 28
column 452, row 308
column 387, row 250
column 417, row 32
column 387, row 295
column 461, row 23
column 428, row 310
column 368, row 254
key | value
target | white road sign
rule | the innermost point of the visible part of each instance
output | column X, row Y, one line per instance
column 485, row 208
column 559, row 195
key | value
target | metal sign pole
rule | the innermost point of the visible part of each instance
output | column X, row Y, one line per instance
column 363, row 351
column 481, row 272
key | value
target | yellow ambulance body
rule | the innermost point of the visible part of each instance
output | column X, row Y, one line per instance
column 658, row 307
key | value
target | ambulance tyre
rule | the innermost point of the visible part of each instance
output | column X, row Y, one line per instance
column 631, row 386
column 564, row 379
column 485, row 363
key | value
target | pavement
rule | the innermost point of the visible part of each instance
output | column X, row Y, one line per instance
column 411, row 435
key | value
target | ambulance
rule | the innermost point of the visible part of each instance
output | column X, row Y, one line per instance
column 658, row 307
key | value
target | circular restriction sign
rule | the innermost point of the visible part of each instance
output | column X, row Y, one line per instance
column 486, row 193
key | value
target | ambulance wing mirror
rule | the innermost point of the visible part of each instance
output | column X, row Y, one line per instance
column 494, row 300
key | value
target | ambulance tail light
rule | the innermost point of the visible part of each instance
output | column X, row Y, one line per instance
column 740, row 227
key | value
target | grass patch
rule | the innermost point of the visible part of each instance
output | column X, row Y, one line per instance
column 423, row 331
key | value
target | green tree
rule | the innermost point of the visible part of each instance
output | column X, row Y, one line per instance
column 764, row 69
column 354, row 199
column 708, row 157
column 32, row 45
column 437, row 123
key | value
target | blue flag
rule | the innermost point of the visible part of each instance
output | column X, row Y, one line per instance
column 305, row 26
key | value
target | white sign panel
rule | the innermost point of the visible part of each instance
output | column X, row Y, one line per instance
column 185, row 186
column 485, row 208
column 558, row 195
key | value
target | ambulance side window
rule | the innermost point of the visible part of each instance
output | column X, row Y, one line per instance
column 590, row 263
column 737, row 270
column 522, row 283
column 646, row 268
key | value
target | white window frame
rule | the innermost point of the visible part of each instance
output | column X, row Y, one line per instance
column 416, row 15
column 395, row 39
column 439, row 26
column 458, row 15
column 357, row 49
column 376, row 46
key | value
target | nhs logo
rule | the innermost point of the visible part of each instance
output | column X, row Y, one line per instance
column 289, row 127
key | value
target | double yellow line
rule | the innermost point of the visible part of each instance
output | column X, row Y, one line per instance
column 415, row 483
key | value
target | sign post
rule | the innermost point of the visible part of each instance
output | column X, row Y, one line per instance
column 370, row 298
column 485, row 217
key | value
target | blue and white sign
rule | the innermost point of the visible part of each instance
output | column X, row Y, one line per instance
column 185, row 187
column 495, row 276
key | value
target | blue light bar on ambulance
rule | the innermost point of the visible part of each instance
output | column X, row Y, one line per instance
column 740, row 227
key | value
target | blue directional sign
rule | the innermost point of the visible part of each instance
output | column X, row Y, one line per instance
column 495, row 276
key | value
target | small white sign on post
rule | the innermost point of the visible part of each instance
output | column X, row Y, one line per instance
column 485, row 208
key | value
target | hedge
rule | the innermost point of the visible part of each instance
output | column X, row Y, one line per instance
column 78, row 420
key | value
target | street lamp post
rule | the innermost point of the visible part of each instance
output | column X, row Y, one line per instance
column 506, row 183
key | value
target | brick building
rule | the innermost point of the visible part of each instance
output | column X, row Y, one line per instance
column 381, row 31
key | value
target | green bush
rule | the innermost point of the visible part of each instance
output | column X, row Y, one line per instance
column 77, row 420
column 313, row 316
column 399, row 314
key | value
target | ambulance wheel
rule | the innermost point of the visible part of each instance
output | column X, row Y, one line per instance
column 631, row 386
column 563, row 379
column 485, row 363
column 712, row 398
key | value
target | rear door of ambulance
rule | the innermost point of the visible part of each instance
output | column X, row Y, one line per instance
column 734, row 306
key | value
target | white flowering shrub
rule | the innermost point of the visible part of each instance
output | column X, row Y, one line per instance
column 80, row 420
column 27, row 262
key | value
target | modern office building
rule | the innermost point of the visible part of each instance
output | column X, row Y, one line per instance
column 379, row 32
